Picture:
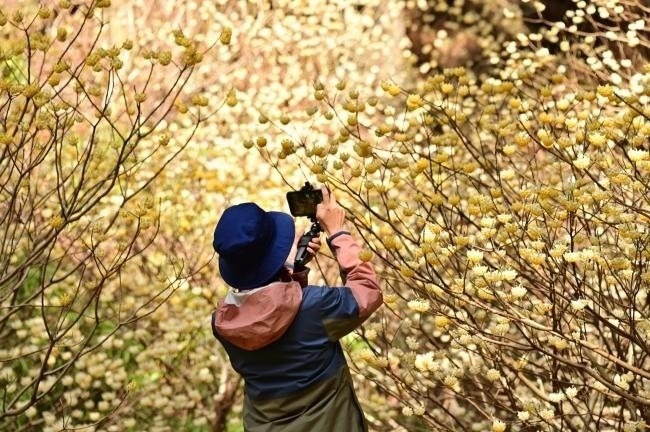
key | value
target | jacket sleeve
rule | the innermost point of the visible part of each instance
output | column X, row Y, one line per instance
column 344, row 308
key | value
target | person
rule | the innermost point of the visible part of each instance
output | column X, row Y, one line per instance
column 281, row 334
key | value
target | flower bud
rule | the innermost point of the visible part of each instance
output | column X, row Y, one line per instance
column 225, row 36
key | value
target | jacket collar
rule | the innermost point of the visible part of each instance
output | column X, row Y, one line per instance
column 255, row 318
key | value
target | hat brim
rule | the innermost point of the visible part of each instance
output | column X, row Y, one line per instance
column 248, row 275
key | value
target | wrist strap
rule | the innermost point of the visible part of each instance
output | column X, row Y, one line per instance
column 337, row 234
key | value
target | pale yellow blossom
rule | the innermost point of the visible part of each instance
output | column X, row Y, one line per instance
column 474, row 256
column 636, row 155
column 419, row 305
column 597, row 139
column 498, row 426
column 582, row 161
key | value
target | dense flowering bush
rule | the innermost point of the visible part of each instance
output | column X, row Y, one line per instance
column 82, row 146
column 510, row 217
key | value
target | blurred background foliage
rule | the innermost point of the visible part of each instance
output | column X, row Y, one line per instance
column 469, row 140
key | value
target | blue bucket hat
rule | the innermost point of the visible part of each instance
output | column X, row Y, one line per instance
column 252, row 244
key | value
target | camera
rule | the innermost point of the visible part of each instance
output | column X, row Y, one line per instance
column 302, row 203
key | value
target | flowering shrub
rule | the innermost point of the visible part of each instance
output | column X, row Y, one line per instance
column 82, row 146
column 144, row 118
column 510, row 217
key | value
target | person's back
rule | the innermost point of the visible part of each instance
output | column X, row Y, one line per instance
column 283, row 336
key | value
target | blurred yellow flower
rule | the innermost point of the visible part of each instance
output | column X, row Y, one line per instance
column 419, row 305
column 365, row 255
column 507, row 174
column 414, row 101
column 571, row 392
column 441, row 321
column 447, row 88
column 636, row 155
column 492, row 375
column 605, row 90
column 545, row 138
column 393, row 90
column 56, row 222
column 498, row 426
column 199, row 100
column 479, row 270
column 579, row 304
column 572, row 257
column 163, row 139
column 231, row 98
column 518, row 292
column 582, row 161
column 596, row 139
column 450, row 381
column 225, row 36
column 425, row 362
column 547, row 414
column 474, row 256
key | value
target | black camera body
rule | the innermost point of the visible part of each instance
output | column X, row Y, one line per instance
column 302, row 203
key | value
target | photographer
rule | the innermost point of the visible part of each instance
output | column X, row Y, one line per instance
column 281, row 334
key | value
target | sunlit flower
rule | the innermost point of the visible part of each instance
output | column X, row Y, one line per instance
column 571, row 392
column 393, row 90
column 441, row 321
column 543, row 307
column 412, row 342
column 450, row 380
column 492, row 374
column 447, row 88
column 163, row 139
column 231, row 98
column 572, row 257
column 498, row 426
column 507, row 174
column 56, row 222
column 579, row 304
column 474, row 256
column 605, row 91
column 596, row 139
column 366, row 255
column 545, row 138
column 518, row 291
column 425, row 362
column 414, row 101
column 633, row 426
column 636, row 155
column 419, row 305
column 547, row 414
column 508, row 274
column 582, row 161
column 487, row 222
column 225, row 36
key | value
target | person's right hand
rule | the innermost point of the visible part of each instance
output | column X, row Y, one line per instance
column 329, row 213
